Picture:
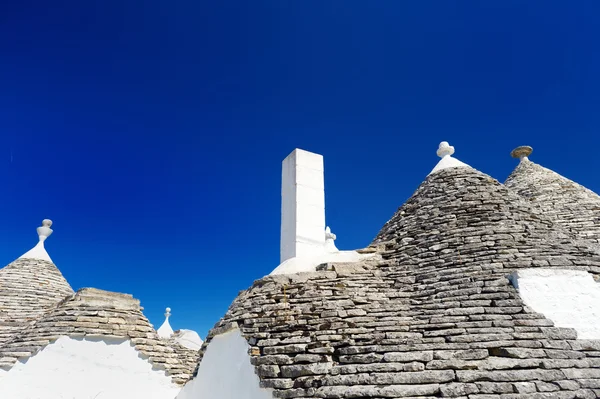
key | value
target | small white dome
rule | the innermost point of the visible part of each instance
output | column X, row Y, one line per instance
column 165, row 331
column 39, row 252
column 189, row 339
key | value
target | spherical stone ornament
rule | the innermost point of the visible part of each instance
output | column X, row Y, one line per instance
column 44, row 231
column 445, row 149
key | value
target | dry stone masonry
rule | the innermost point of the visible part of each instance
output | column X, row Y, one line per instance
column 567, row 203
column 435, row 315
column 28, row 289
column 96, row 313
column 430, row 309
column 38, row 306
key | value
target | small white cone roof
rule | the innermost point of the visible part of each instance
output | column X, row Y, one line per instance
column 165, row 331
column 189, row 339
column 445, row 152
column 39, row 252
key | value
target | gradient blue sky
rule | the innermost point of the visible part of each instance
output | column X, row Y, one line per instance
column 152, row 132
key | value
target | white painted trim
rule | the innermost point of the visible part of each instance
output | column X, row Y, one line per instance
column 570, row 298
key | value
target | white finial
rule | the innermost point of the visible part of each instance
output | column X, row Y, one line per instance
column 521, row 152
column 165, row 331
column 39, row 252
column 445, row 152
column 445, row 149
column 329, row 241
column 44, row 231
column 329, row 235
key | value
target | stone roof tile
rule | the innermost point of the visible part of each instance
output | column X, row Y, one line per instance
column 463, row 215
column 96, row 313
column 28, row 288
column 567, row 203
column 187, row 357
column 435, row 316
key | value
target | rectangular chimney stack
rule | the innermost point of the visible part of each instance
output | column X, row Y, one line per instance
column 302, row 205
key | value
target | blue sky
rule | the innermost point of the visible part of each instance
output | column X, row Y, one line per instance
column 152, row 132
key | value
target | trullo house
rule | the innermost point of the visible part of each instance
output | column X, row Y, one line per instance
column 473, row 289
column 91, row 344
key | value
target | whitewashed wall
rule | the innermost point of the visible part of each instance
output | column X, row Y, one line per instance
column 86, row 369
column 569, row 298
column 225, row 372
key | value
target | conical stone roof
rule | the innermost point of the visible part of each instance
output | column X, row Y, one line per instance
column 97, row 313
column 567, row 203
column 436, row 317
column 29, row 286
column 37, row 306
column 463, row 213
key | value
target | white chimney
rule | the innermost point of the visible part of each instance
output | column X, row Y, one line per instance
column 302, row 205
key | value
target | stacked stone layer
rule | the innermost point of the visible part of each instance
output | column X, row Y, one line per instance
column 187, row 357
column 437, row 317
column 462, row 216
column 96, row 313
column 28, row 288
column 569, row 204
